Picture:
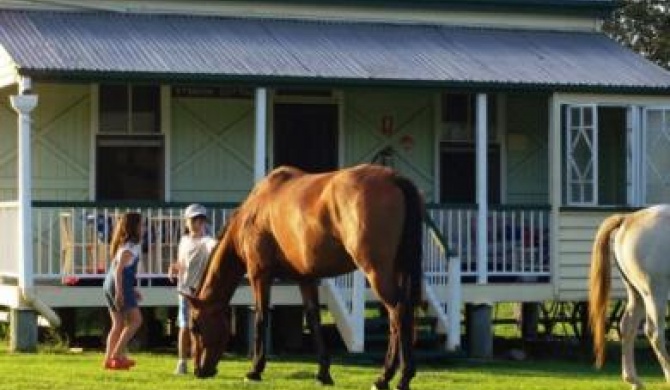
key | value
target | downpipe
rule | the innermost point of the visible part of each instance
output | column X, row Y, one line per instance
column 42, row 308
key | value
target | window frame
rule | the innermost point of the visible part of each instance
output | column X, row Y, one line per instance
column 569, row 139
column 130, row 110
column 644, row 162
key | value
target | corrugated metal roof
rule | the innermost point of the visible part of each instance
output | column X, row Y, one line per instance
column 183, row 47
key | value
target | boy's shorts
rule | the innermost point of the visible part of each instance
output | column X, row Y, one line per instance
column 183, row 316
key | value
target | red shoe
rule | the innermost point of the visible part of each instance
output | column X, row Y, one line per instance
column 130, row 362
column 117, row 364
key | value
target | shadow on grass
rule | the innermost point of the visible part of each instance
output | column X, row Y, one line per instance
column 575, row 365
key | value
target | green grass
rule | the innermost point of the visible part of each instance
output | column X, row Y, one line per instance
column 74, row 371
column 54, row 368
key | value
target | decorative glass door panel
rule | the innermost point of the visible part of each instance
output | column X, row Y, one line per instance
column 582, row 150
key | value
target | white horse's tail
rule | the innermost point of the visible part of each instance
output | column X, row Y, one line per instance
column 600, row 280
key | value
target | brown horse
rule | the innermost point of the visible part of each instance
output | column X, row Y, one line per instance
column 310, row 226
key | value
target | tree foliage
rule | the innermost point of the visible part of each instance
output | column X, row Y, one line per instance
column 644, row 26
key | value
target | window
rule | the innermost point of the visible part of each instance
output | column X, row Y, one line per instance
column 459, row 111
column 130, row 147
column 129, row 109
column 458, row 150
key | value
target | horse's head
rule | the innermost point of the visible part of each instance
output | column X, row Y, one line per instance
column 210, row 328
column 210, row 306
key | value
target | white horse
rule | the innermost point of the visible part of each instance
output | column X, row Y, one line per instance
column 641, row 243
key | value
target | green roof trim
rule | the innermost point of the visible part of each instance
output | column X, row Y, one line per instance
column 130, row 204
column 282, row 81
column 563, row 5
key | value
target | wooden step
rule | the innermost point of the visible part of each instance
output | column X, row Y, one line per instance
column 424, row 340
column 382, row 323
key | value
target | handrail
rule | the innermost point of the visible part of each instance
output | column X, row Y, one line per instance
column 448, row 317
column 439, row 237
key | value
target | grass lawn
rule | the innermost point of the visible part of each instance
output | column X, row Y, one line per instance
column 154, row 371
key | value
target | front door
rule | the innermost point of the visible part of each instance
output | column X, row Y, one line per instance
column 596, row 148
column 305, row 136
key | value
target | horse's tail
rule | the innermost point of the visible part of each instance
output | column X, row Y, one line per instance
column 600, row 279
column 410, row 250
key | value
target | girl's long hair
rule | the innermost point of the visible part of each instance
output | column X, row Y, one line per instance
column 128, row 228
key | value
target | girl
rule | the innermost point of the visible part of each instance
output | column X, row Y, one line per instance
column 193, row 253
column 120, row 292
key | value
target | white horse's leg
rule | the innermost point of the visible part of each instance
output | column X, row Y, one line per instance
column 655, row 326
column 630, row 323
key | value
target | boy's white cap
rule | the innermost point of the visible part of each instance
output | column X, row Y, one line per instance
column 195, row 210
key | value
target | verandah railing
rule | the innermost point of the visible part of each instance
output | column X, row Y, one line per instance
column 9, row 250
column 71, row 239
column 517, row 239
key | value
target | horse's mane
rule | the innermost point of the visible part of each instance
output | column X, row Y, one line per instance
column 219, row 240
column 250, row 209
column 222, row 231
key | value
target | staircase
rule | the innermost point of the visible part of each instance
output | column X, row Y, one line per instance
column 345, row 297
column 426, row 337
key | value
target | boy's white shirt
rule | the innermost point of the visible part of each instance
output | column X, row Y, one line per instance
column 187, row 252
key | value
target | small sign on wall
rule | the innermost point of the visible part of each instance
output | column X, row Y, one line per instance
column 387, row 125
column 198, row 91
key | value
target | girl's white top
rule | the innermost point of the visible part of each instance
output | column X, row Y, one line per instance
column 134, row 249
column 193, row 254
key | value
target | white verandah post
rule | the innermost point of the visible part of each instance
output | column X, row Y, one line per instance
column 260, row 150
column 482, row 187
column 24, row 321
column 24, row 103
column 358, row 311
column 480, row 335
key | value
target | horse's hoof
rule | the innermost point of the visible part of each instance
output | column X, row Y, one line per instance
column 325, row 380
column 252, row 377
column 634, row 382
column 380, row 386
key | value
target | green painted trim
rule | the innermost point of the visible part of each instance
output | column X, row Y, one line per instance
column 609, row 209
column 279, row 81
column 128, row 204
column 451, row 206
column 493, row 207
column 553, row 6
column 229, row 205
